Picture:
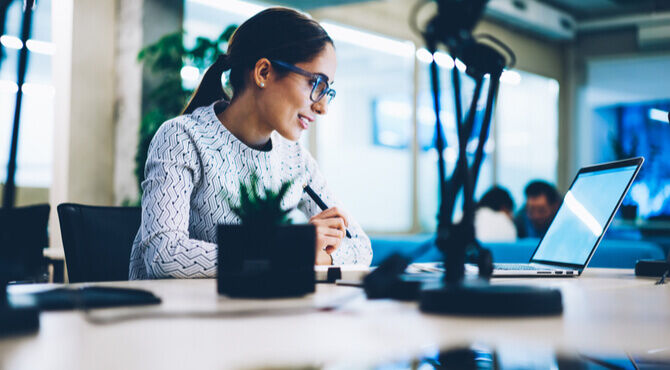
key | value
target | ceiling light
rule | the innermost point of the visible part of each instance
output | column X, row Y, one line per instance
column 460, row 65
column 41, row 47
column 444, row 60
column 11, row 42
column 369, row 40
column 424, row 56
column 33, row 89
column 243, row 8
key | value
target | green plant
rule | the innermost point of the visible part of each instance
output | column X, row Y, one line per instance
column 167, row 98
column 261, row 208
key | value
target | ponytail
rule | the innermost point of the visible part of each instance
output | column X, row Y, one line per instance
column 210, row 88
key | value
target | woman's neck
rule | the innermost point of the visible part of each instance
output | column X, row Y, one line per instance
column 241, row 118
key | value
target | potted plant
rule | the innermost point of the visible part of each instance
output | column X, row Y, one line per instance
column 265, row 256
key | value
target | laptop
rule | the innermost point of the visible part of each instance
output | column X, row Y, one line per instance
column 580, row 223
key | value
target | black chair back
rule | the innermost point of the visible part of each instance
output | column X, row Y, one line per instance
column 97, row 240
column 23, row 237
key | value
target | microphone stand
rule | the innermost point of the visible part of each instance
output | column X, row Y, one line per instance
column 452, row 26
column 457, row 294
column 454, row 239
column 9, row 195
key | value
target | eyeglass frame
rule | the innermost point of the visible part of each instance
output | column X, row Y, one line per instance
column 316, row 77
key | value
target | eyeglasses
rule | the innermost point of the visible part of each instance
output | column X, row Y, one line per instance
column 320, row 85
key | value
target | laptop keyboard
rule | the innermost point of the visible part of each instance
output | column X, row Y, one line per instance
column 517, row 266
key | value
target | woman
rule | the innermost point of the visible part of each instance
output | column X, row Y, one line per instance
column 281, row 64
column 494, row 217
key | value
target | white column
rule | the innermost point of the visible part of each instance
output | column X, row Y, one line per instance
column 128, row 98
column 83, row 70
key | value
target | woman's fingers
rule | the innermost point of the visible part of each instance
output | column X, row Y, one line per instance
column 323, row 242
column 330, row 231
column 333, row 223
column 332, row 212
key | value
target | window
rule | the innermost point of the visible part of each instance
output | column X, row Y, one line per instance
column 526, row 132
column 373, row 106
column 365, row 145
column 35, row 146
column 428, row 182
column 516, row 136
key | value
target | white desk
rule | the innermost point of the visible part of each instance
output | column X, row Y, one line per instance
column 606, row 311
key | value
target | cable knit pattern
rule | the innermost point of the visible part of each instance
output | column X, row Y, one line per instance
column 194, row 163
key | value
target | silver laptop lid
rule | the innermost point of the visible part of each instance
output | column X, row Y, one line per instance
column 587, row 210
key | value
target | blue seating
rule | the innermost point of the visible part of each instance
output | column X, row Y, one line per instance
column 613, row 253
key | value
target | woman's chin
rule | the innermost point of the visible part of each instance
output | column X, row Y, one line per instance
column 293, row 135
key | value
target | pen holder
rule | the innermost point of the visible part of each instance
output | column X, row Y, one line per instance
column 257, row 261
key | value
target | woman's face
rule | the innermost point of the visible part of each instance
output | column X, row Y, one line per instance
column 287, row 106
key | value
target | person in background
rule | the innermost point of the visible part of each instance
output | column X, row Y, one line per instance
column 542, row 202
column 494, row 217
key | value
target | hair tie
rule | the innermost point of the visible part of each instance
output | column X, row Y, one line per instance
column 223, row 62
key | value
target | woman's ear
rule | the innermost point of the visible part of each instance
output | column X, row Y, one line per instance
column 261, row 73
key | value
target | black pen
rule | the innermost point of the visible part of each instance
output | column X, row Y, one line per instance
column 308, row 189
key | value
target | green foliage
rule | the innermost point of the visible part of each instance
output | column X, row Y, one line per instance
column 261, row 208
column 167, row 98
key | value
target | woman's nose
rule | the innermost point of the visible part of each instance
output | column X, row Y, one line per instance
column 321, row 107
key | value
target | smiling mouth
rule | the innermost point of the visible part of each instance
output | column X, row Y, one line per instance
column 304, row 122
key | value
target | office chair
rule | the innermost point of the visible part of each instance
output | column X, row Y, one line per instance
column 23, row 237
column 97, row 240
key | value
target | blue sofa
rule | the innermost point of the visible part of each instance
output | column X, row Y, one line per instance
column 614, row 253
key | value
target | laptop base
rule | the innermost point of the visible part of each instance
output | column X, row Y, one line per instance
column 480, row 299
column 532, row 270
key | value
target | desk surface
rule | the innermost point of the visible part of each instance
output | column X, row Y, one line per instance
column 608, row 311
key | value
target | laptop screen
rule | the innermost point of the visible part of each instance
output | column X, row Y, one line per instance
column 584, row 215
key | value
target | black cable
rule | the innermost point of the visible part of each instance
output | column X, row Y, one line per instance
column 157, row 315
column 91, row 318
column 661, row 281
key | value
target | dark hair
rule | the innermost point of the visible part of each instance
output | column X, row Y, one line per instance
column 497, row 198
column 537, row 188
column 275, row 33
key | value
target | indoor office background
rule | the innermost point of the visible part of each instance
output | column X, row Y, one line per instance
column 572, row 101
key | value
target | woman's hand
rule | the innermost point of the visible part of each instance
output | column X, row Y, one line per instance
column 330, row 227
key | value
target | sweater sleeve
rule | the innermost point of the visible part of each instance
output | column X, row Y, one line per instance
column 172, row 170
column 356, row 250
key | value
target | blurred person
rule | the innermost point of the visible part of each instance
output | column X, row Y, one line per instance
column 542, row 203
column 282, row 65
column 494, row 219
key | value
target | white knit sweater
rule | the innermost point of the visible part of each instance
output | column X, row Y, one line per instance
column 193, row 163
